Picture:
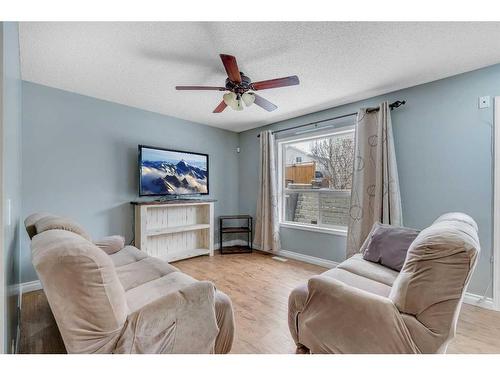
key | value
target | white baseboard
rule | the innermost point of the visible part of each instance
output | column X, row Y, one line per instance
column 27, row 287
column 477, row 300
column 308, row 259
column 30, row 286
column 287, row 254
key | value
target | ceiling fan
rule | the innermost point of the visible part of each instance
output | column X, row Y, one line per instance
column 240, row 88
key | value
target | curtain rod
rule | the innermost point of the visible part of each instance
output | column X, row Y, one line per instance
column 396, row 104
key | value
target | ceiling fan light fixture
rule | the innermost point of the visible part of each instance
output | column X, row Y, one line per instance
column 248, row 98
column 230, row 99
column 237, row 86
column 239, row 105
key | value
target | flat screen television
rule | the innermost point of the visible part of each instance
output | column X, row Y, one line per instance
column 172, row 172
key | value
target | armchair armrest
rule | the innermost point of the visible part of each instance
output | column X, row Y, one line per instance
column 339, row 318
column 181, row 322
column 111, row 244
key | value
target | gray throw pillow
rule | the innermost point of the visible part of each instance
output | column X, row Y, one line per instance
column 388, row 245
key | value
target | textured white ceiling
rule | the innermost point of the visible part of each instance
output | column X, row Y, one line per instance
column 138, row 64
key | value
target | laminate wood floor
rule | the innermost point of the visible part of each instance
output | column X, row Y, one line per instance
column 259, row 287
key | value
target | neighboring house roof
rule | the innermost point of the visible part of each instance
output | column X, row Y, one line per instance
column 299, row 151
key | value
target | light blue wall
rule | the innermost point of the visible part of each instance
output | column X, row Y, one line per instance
column 11, row 108
column 444, row 154
column 80, row 159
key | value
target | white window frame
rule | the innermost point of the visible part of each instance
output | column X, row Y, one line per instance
column 280, row 143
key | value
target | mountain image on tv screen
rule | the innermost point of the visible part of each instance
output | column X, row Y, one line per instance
column 165, row 172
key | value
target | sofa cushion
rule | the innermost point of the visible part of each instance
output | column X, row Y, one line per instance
column 359, row 281
column 110, row 244
column 134, row 274
column 58, row 222
column 388, row 245
column 127, row 255
column 374, row 271
column 150, row 291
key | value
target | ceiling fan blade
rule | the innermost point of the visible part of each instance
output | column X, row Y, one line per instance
column 264, row 103
column 275, row 83
column 222, row 106
column 200, row 88
column 232, row 70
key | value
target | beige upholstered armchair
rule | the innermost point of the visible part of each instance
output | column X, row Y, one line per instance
column 111, row 298
column 364, row 307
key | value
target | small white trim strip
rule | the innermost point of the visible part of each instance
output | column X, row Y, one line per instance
column 30, row 286
column 308, row 259
column 496, row 205
column 477, row 300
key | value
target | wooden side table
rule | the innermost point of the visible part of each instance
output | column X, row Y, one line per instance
column 236, row 229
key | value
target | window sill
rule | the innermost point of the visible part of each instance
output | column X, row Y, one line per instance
column 310, row 228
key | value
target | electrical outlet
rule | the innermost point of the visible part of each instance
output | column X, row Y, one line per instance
column 484, row 102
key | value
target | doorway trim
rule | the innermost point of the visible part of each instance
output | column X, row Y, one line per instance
column 496, row 205
column 3, row 290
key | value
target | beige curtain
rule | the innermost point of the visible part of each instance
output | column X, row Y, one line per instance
column 375, row 194
column 266, row 223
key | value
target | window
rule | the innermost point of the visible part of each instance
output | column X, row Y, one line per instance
column 315, row 177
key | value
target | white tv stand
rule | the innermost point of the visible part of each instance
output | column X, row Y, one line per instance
column 175, row 229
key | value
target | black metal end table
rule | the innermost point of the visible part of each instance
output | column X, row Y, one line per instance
column 236, row 229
